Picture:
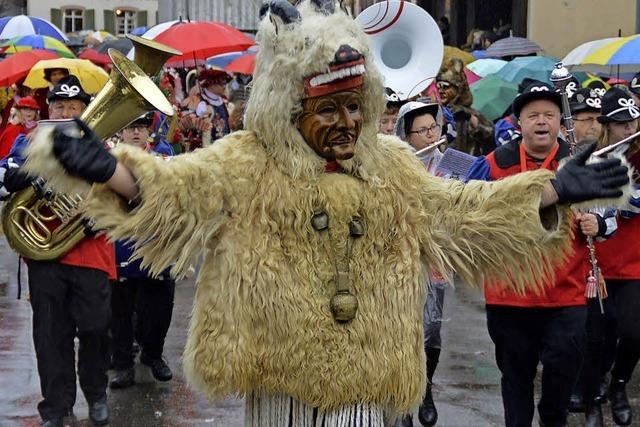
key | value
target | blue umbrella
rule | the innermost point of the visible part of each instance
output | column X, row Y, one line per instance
column 224, row 59
column 22, row 25
column 534, row 67
column 139, row 31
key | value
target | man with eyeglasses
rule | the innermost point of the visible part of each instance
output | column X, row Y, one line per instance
column 151, row 298
column 585, row 109
column 548, row 326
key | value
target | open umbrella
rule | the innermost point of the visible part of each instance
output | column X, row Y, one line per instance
column 512, row 46
column 492, row 96
column 94, row 56
column 22, row 25
column 25, row 43
column 123, row 45
column 223, row 59
column 92, row 78
column 201, row 40
column 243, row 65
column 619, row 57
column 138, row 31
column 454, row 52
column 485, row 66
column 534, row 67
column 17, row 66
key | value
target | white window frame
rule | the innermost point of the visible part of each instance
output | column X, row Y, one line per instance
column 72, row 12
column 128, row 20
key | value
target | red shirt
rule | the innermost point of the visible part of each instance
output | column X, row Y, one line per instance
column 8, row 137
column 619, row 256
column 569, row 286
column 93, row 252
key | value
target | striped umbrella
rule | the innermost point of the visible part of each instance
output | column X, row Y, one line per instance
column 22, row 25
column 25, row 43
column 512, row 46
column 621, row 55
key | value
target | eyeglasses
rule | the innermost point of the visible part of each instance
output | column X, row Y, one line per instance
column 423, row 131
column 588, row 120
column 443, row 85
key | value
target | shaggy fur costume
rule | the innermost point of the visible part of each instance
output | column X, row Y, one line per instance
column 261, row 321
column 475, row 141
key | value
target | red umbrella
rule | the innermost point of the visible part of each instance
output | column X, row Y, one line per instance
column 199, row 40
column 96, row 57
column 243, row 65
column 17, row 66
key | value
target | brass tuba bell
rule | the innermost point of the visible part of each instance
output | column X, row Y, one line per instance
column 45, row 228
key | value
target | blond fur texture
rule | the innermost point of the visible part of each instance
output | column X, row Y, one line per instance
column 261, row 320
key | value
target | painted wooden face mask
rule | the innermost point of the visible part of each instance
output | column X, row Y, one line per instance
column 331, row 120
column 331, row 124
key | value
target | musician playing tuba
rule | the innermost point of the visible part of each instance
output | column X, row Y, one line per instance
column 69, row 296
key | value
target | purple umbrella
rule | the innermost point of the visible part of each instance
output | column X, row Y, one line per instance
column 512, row 46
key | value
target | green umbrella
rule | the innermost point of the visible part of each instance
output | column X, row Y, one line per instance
column 492, row 96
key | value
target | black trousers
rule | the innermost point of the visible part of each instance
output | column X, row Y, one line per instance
column 524, row 337
column 67, row 302
column 152, row 301
column 626, row 298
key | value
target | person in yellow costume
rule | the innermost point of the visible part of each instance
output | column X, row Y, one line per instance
column 316, row 232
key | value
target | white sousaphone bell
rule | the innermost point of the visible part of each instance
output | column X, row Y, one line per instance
column 406, row 45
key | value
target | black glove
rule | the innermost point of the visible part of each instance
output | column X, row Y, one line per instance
column 16, row 180
column 85, row 157
column 579, row 182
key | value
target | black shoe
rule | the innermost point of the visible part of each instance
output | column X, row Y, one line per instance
column 123, row 378
column 620, row 408
column 593, row 416
column 404, row 421
column 53, row 422
column 99, row 412
column 576, row 403
column 427, row 414
column 159, row 368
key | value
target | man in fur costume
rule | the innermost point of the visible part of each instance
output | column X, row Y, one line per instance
column 317, row 232
column 474, row 131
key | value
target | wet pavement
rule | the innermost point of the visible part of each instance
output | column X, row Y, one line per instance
column 466, row 384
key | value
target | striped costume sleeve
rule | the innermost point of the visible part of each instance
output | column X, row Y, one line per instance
column 633, row 208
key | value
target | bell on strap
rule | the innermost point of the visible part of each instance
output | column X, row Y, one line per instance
column 320, row 221
column 343, row 304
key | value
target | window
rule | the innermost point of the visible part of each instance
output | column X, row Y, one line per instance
column 125, row 21
column 72, row 20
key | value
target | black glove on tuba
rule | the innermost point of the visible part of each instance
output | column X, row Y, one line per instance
column 85, row 157
column 578, row 182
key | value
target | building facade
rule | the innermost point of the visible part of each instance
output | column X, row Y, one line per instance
column 118, row 17
column 241, row 14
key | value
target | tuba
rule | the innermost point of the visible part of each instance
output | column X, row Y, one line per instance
column 43, row 225
column 406, row 45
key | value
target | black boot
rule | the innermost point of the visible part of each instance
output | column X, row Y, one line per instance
column 123, row 378
column 620, row 408
column 576, row 403
column 159, row 368
column 427, row 414
column 99, row 412
column 593, row 415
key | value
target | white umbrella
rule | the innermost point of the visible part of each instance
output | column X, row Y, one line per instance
column 152, row 32
column 22, row 25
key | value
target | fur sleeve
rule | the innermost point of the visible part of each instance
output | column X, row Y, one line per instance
column 493, row 231
column 184, row 202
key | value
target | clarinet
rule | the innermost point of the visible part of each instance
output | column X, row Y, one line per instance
column 560, row 77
